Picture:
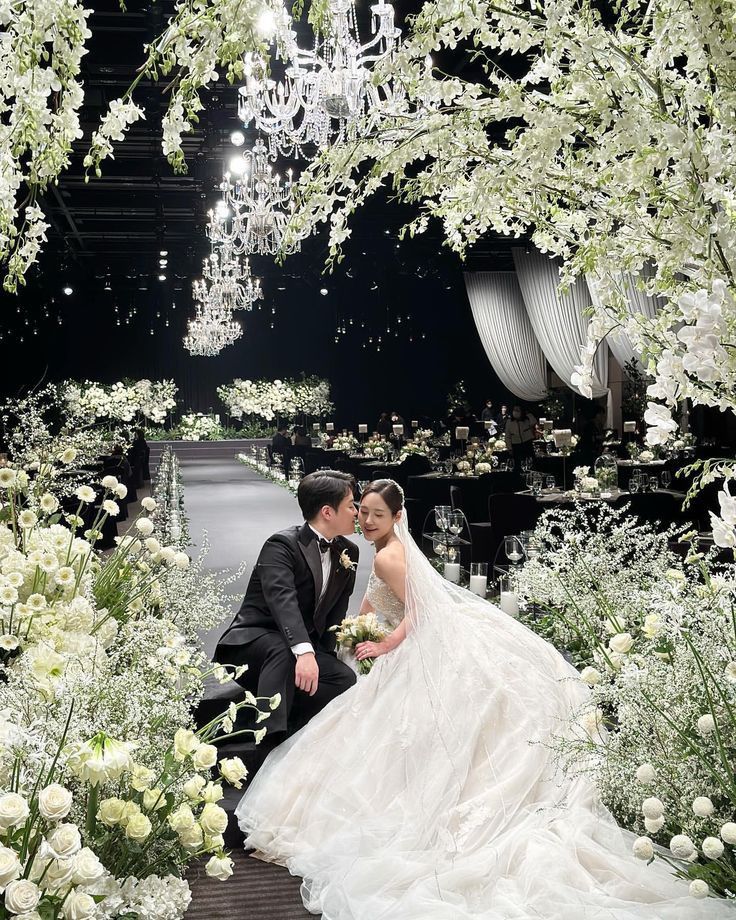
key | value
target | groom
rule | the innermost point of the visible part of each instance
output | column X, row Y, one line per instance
column 299, row 588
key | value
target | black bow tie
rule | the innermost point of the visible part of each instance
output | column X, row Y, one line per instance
column 325, row 545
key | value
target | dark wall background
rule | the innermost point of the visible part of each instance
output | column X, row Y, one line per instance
column 409, row 293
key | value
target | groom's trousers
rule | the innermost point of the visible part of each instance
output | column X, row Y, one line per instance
column 271, row 666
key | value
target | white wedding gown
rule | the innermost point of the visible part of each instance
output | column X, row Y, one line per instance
column 427, row 791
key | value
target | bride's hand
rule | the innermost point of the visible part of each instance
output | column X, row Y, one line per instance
column 370, row 650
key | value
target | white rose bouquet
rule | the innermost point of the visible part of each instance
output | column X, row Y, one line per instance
column 354, row 630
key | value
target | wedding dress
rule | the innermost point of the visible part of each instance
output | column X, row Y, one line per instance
column 428, row 791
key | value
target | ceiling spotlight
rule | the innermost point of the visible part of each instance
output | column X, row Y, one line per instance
column 237, row 138
column 374, row 286
column 164, row 252
column 162, row 277
column 163, row 262
column 68, row 290
column 108, row 287
column 323, row 292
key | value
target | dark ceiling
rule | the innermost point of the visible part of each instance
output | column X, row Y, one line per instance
column 107, row 235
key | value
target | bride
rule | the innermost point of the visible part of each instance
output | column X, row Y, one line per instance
column 428, row 791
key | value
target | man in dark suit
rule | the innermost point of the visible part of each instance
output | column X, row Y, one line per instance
column 299, row 588
column 280, row 442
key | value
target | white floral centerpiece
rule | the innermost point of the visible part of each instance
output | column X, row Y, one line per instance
column 378, row 448
column 276, row 399
column 345, row 442
column 196, row 426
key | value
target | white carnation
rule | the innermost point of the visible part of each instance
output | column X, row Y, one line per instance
column 699, row 889
column 643, row 848
column 652, row 808
column 712, row 848
column 646, row 774
column 682, row 846
column 703, row 807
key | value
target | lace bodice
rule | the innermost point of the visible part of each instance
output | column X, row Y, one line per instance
column 384, row 601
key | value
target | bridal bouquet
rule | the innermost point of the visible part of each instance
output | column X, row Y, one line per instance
column 354, row 630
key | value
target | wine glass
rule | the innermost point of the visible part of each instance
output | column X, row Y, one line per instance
column 666, row 479
column 513, row 548
column 363, row 485
column 441, row 514
column 537, row 484
column 634, row 484
column 549, row 482
column 529, row 478
column 439, row 544
column 455, row 522
column 653, row 483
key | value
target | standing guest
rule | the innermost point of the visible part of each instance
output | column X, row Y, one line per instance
column 396, row 419
column 519, row 434
column 301, row 438
column 280, row 442
column 140, row 454
column 488, row 415
column 385, row 426
column 502, row 417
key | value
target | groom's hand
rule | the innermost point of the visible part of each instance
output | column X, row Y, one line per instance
column 307, row 673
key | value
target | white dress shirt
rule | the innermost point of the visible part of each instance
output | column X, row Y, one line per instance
column 302, row 648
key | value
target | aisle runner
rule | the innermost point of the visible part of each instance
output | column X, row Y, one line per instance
column 256, row 891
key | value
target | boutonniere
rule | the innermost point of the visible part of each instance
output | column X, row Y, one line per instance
column 346, row 562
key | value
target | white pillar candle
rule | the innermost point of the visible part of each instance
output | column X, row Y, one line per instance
column 330, row 426
column 462, row 432
column 398, row 430
column 315, row 426
column 509, row 603
column 414, row 423
column 452, row 571
column 362, row 429
column 479, row 584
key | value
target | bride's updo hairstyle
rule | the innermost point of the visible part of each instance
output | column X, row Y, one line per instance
column 389, row 491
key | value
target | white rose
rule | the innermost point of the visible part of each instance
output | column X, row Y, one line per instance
column 213, row 819
column 699, row 889
column 78, row 906
column 64, row 841
column 10, row 867
column 205, row 757
column 213, row 792
column 712, row 848
column 590, row 676
column 153, row 799
column 682, row 846
column 219, row 867
column 138, row 827
column 706, row 724
column 185, row 744
column 234, row 771
column 193, row 787
column 646, row 774
column 141, row 778
column 13, row 810
column 652, row 808
column 191, row 838
column 643, row 848
column 653, row 825
column 54, row 802
column 111, row 811
column 728, row 833
column 653, row 624
column 181, row 819
column 621, row 643
column 148, row 503
column 87, row 867
column 144, row 527
column 22, row 896
column 703, row 807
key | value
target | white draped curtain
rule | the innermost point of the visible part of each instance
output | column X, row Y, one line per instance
column 506, row 333
column 638, row 302
column 558, row 319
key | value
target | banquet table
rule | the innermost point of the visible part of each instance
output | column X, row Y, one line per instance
column 663, row 505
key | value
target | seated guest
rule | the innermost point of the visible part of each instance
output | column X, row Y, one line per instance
column 519, row 434
column 301, row 438
column 280, row 442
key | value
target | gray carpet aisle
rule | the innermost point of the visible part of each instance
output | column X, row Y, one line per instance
column 239, row 509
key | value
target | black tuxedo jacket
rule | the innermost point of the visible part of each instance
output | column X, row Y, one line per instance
column 283, row 592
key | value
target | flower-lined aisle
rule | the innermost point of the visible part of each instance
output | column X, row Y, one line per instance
column 106, row 790
column 650, row 624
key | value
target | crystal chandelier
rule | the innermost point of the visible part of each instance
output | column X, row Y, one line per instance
column 210, row 331
column 325, row 90
column 252, row 215
column 227, row 280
